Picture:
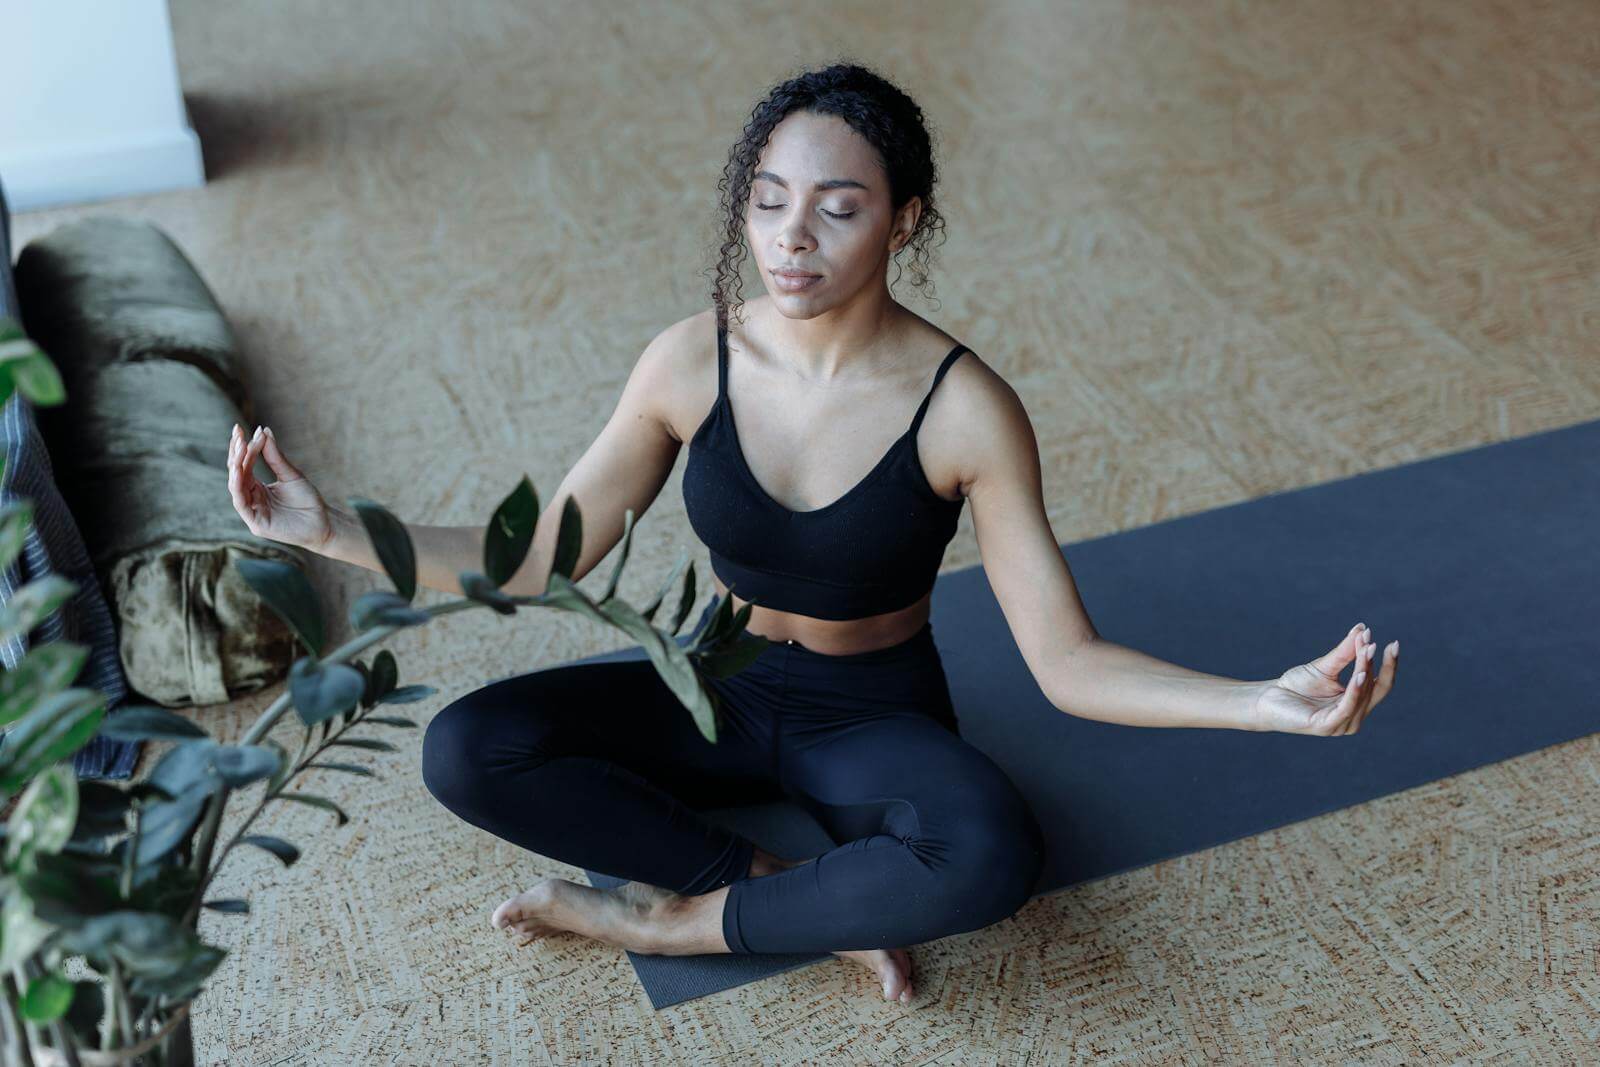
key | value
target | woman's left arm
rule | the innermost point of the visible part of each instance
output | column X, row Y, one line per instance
column 1085, row 675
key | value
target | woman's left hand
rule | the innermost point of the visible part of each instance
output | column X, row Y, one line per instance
column 1310, row 699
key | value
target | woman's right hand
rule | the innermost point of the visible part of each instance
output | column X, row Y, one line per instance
column 289, row 510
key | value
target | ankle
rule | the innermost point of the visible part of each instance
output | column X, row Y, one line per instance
column 763, row 863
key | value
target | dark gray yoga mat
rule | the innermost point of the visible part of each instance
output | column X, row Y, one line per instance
column 1483, row 562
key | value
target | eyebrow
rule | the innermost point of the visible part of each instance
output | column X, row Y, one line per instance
column 831, row 183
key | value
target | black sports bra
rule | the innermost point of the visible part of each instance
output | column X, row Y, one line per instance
column 875, row 549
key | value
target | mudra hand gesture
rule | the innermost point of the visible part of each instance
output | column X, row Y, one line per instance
column 1310, row 699
column 289, row 510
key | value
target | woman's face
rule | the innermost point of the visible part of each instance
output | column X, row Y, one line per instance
column 819, row 205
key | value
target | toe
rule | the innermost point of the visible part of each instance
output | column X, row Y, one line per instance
column 903, row 959
column 509, row 912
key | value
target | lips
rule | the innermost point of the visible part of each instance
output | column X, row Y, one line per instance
column 784, row 272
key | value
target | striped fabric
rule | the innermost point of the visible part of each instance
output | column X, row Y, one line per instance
column 54, row 545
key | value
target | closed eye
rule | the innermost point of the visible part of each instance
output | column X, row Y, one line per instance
column 825, row 211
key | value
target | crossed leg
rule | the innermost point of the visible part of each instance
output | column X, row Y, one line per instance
column 608, row 784
column 938, row 842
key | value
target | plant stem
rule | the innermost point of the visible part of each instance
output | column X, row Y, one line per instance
column 29, row 971
column 207, row 839
column 65, row 1044
column 16, row 1041
column 125, row 883
column 275, row 711
column 205, row 843
column 119, row 1003
column 302, row 761
column 109, row 1031
column 344, row 652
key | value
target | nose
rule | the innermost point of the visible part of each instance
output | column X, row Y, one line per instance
column 793, row 236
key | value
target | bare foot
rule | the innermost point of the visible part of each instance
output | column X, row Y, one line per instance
column 892, row 966
column 626, row 916
column 630, row 917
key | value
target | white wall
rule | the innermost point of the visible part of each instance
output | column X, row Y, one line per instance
column 89, row 103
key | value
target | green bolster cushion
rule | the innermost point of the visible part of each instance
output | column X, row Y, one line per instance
column 140, row 450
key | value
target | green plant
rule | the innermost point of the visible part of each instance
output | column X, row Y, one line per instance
column 102, row 885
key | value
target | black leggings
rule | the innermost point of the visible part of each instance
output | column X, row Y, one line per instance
column 599, row 765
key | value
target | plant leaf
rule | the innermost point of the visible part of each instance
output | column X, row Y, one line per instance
column 184, row 766
column 285, row 764
column 569, row 539
column 180, row 982
column 370, row 743
column 650, row 609
column 622, row 555
column 385, row 673
column 285, row 589
column 563, row 594
column 510, row 532
column 146, row 723
column 348, row 768
column 33, row 603
column 481, row 589
column 315, row 801
column 37, row 379
column 239, row 765
column 21, row 931
column 716, row 625
column 275, row 845
column 383, row 608
column 738, row 655
column 47, row 998
column 685, row 601
column 391, row 720
column 166, row 824
column 322, row 690
column 47, row 668
column 16, row 516
column 228, row 906
column 60, row 725
column 408, row 694
column 45, row 814
column 671, row 662
column 392, row 543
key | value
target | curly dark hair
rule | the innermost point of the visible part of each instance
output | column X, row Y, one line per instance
column 876, row 109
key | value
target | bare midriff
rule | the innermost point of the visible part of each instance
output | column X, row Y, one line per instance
column 834, row 637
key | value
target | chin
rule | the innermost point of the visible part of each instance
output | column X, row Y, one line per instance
column 800, row 306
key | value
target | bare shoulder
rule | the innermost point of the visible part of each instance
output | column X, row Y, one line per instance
column 980, row 424
column 676, row 377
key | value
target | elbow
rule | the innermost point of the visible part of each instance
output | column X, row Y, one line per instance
column 1067, row 671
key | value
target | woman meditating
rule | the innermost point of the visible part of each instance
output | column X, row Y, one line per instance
column 834, row 436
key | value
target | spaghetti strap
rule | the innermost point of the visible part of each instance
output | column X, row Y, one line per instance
column 722, row 362
column 937, row 376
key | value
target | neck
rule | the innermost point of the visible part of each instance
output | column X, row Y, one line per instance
column 839, row 343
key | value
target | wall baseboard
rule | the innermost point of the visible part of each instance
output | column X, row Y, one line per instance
column 73, row 173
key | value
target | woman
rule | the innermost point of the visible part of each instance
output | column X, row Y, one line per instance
column 833, row 438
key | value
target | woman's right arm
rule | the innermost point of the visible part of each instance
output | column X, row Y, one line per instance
column 624, row 467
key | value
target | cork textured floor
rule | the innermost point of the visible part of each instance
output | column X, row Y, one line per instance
column 1220, row 249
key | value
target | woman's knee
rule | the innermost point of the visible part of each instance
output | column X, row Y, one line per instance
column 447, row 752
column 469, row 741
column 996, row 855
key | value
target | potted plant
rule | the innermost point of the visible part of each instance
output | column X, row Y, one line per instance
column 102, row 885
